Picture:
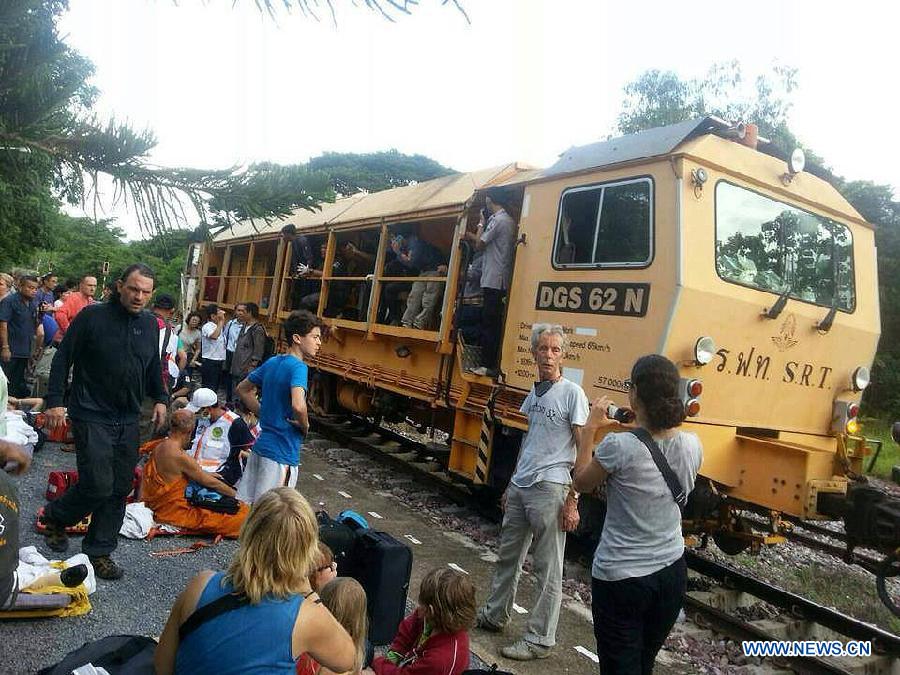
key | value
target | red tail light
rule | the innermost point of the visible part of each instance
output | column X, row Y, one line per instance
column 692, row 408
column 694, row 388
column 853, row 410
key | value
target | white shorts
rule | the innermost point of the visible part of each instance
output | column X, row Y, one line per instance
column 262, row 474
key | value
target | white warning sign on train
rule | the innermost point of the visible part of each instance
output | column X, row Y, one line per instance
column 615, row 299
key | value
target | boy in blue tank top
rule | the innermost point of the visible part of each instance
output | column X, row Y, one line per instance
column 283, row 419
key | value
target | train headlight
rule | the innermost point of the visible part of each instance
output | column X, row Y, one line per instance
column 692, row 408
column 860, row 378
column 797, row 162
column 704, row 350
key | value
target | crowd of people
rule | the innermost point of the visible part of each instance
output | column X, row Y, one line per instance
column 225, row 460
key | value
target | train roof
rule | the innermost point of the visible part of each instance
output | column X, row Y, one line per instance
column 708, row 139
column 425, row 199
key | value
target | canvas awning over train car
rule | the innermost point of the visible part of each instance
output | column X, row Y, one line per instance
column 431, row 198
column 436, row 197
column 302, row 218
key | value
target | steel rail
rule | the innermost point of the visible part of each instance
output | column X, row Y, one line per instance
column 741, row 630
column 796, row 604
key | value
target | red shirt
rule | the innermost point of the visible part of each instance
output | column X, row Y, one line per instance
column 440, row 654
column 68, row 311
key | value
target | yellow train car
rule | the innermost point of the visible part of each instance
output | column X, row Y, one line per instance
column 758, row 279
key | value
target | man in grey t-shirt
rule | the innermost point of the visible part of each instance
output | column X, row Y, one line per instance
column 497, row 238
column 539, row 503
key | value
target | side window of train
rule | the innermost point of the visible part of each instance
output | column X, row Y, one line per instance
column 777, row 247
column 605, row 225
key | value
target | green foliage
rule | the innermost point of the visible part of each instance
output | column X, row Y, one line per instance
column 657, row 98
column 371, row 172
column 81, row 246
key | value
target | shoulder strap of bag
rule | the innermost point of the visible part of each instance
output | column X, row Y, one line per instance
column 125, row 652
column 660, row 460
column 219, row 606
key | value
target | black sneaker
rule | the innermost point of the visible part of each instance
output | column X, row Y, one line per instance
column 105, row 568
column 55, row 535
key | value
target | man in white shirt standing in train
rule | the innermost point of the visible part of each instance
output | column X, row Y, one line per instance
column 497, row 238
column 539, row 504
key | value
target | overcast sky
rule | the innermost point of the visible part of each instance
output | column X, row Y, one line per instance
column 524, row 81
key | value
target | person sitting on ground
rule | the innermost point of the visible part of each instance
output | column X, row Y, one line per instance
column 283, row 416
column 283, row 618
column 166, row 476
column 346, row 600
column 325, row 569
column 221, row 439
column 639, row 573
column 434, row 639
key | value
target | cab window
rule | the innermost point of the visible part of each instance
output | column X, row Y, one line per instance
column 776, row 247
column 607, row 225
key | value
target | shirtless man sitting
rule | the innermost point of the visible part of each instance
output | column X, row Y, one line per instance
column 166, row 476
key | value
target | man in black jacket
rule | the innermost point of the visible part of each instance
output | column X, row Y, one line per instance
column 114, row 349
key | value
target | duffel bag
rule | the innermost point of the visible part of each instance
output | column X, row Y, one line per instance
column 118, row 654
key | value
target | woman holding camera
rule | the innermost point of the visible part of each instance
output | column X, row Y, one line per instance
column 639, row 573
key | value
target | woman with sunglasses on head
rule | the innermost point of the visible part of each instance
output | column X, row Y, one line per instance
column 266, row 615
column 639, row 573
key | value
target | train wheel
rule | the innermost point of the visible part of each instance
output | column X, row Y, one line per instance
column 730, row 541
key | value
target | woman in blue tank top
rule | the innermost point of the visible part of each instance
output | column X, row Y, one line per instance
column 281, row 618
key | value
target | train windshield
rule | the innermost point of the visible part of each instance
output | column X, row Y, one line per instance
column 773, row 246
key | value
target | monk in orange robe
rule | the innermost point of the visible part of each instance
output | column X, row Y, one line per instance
column 166, row 475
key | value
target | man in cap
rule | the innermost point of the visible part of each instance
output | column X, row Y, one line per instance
column 220, row 437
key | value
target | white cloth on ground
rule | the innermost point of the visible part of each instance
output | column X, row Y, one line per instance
column 138, row 521
column 33, row 565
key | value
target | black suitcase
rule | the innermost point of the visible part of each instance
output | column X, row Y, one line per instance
column 384, row 568
column 342, row 540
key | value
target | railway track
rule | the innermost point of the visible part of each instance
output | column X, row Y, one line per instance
column 715, row 609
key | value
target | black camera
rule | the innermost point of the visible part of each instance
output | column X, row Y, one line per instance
column 621, row 415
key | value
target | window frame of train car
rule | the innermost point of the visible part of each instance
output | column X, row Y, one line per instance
column 369, row 325
column 819, row 217
column 615, row 265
